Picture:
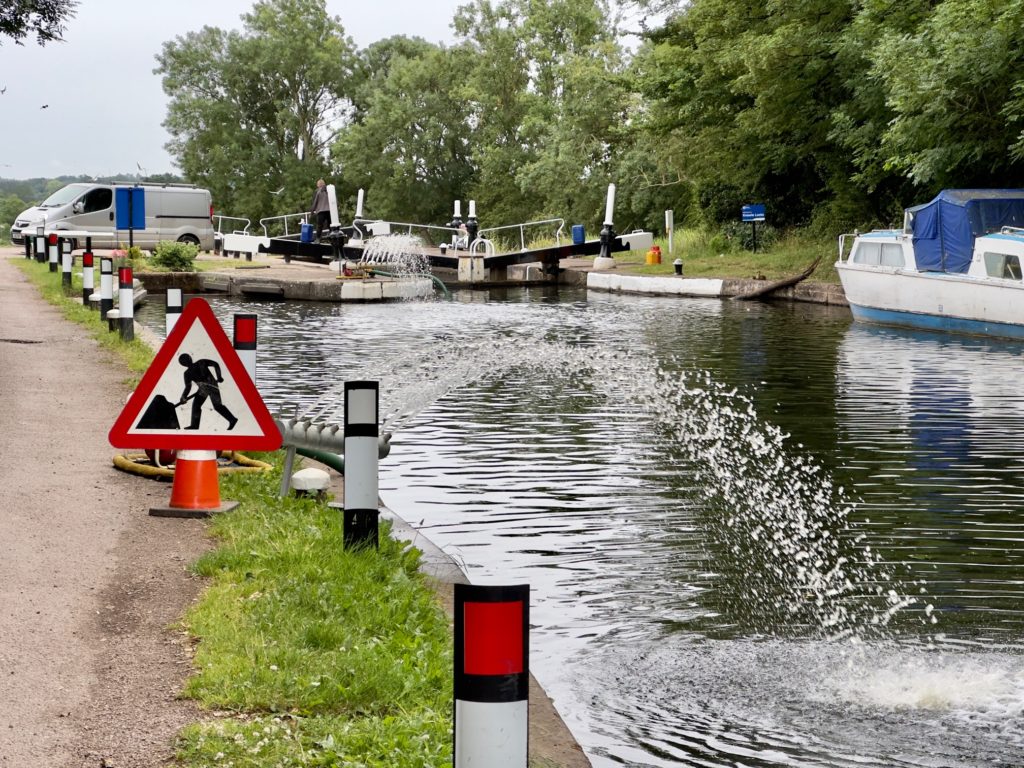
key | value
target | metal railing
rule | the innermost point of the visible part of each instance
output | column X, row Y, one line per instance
column 394, row 227
column 522, row 231
column 221, row 219
column 283, row 220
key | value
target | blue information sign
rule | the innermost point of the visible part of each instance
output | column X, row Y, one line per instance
column 130, row 207
column 753, row 212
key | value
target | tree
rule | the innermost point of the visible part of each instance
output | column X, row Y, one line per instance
column 254, row 112
column 45, row 19
column 956, row 90
column 410, row 145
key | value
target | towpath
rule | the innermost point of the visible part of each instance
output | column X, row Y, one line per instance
column 89, row 673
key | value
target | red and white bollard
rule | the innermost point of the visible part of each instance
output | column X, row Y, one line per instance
column 245, row 343
column 88, row 278
column 126, row 303
column 51, row 250
column 492, row 676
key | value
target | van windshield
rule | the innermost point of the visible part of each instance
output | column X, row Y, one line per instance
column 63, row 196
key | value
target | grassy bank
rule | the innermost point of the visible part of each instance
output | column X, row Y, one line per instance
column 705, row 254
column 305, row 655
column 324, row 657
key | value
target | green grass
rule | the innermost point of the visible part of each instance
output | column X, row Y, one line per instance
column 790, row 255
column 136, row 354
column 334, row 657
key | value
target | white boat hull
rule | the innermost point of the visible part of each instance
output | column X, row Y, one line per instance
column 934, row 300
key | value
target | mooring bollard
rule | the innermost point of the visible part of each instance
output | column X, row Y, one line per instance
column 492, row 676
column 678, row 265
column 172, row 309
column 126, row 303
column 245, row 343
column 40, row 245
column 51, row 246
column 87, row 274
column 106, row 286
column 362, row 400
column 66, row 262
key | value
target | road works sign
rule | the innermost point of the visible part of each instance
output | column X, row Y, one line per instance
column 196, row 395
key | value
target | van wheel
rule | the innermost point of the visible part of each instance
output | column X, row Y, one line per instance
column 190, row 239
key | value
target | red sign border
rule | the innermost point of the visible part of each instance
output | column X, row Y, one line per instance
column 120, row 434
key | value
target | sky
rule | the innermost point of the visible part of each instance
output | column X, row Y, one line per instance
column 105, row 105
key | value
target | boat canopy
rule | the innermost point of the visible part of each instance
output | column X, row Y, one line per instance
column 944, row 228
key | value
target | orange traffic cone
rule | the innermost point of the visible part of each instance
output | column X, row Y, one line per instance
column 195, row 491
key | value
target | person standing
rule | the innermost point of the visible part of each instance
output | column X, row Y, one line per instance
column 321, row 208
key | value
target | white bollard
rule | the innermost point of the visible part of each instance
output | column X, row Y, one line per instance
column 332, row 201
column 362, row 430
column 172, row 309
column 106, row 286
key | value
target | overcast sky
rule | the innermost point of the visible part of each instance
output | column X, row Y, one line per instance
column 105, row 104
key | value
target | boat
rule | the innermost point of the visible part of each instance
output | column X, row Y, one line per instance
column 955, row 265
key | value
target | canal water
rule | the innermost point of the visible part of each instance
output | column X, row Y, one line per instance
column 755, row 535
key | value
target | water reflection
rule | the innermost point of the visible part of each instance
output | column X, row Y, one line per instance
column 648, row 632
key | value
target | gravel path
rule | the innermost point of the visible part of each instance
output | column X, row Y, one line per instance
column 89, row 583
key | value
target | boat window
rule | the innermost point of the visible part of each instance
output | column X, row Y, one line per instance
column 867, row 253
column 1006, row 266
column 892, row 255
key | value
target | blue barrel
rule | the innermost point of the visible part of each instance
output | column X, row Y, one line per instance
column 306, row 233
column 578, row 237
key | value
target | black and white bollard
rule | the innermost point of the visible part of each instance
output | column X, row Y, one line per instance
column 362, row 430
column 245, row 343
column 66, row 262
column 492, row 676
column 126, row 303
column 472, row 226
column 88, row 277
column 106, row 286
column 40, row 239
column 172, row 310
column 51, row 251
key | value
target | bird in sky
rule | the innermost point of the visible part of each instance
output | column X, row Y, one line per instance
column 3, row 90
column 44, row 106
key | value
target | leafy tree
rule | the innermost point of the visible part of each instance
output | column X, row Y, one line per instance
column 45, row 19
column 409, row 147
column 252, row 114
column 549, row 106
column 10, row 207
column 956, row 89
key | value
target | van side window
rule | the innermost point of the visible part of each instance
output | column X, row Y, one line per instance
column 97, row 200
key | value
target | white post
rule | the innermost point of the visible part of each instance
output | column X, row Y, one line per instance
column 458, row 209
column 332, row 201
column 362, row 430
column 609, row 207
column 472, row 209
column 359, row 204
column 126, row 302
column 669, row 227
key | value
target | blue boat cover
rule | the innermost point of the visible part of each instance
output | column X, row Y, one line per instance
column 944, row 229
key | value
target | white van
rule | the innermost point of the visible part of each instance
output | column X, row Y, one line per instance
column 180, row 212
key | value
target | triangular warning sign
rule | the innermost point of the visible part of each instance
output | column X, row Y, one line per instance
column 196, row 395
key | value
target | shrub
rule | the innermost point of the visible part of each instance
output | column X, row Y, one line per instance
column 176, row 257
column 741, row 235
